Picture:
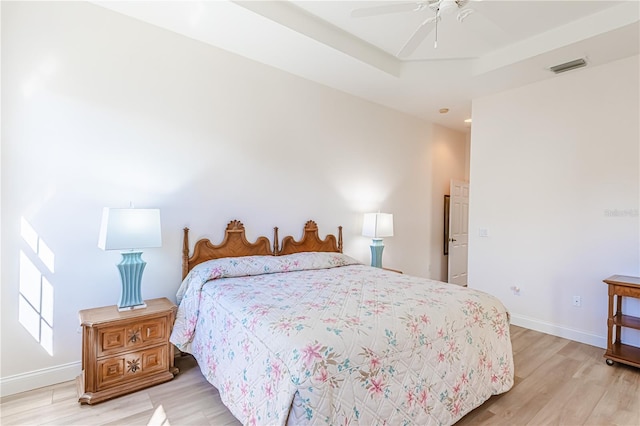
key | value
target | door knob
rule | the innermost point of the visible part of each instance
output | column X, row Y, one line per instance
column 452, row 239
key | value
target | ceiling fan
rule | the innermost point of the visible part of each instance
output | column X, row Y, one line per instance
column 439, row 7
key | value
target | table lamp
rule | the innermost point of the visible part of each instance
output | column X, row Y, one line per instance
column 130, row 229
column 377, row 226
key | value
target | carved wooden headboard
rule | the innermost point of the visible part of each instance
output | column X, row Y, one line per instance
column 310, row 241
column 235, row 244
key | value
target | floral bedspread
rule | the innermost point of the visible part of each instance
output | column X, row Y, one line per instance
column 316, row 338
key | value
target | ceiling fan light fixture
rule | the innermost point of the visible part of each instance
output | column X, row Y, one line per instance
column 438, row 7
column 568, row 66
column 445, row 6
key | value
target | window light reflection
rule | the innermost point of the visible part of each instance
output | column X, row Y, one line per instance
column 35, row 303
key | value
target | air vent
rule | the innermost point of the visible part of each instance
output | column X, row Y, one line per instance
column 568, row 66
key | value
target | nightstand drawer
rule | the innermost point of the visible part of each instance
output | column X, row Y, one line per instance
column 115, row 339
column 131, row 365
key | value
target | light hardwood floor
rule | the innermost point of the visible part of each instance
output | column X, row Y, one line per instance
column 558, row 382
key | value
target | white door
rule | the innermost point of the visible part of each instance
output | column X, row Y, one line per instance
column 458, row 232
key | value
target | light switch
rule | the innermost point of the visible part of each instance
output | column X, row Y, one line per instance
column 483, row 232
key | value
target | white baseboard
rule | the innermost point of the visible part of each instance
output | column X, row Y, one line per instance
column 560, row 331
column 38, row 378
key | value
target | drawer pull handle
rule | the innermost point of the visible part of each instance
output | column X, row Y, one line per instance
column 133, row 365
column 134, row 335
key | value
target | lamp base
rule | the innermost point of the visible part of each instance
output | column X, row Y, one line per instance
column 376, row 252
column 131, row 308
column 131, row 268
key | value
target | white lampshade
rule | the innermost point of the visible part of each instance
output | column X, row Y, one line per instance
column 377, row 225
column 123, row 229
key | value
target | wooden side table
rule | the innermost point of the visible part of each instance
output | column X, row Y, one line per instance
column 621, row 286
column 123, row 352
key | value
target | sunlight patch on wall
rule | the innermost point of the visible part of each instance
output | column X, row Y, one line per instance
column 35, row 304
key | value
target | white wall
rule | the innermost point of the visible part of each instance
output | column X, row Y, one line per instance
column 100, row 110
column 551, row 164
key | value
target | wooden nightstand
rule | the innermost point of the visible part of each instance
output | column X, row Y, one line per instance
column 621, row 286
column 123, row 352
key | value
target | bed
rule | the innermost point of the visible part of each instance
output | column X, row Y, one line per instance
column 299, row 333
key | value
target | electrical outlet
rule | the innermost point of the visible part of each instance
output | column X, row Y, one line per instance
column 577, row 301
